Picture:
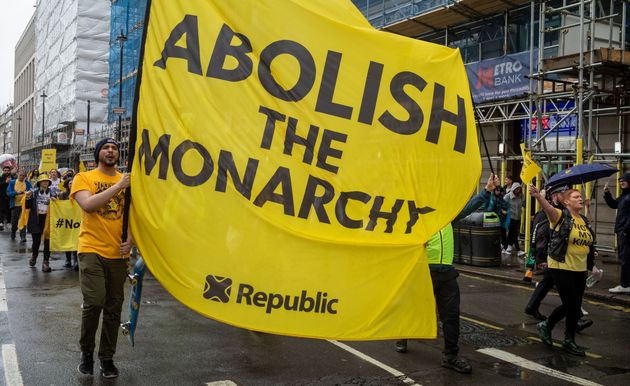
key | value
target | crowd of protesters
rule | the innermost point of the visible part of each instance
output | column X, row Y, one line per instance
column 33, row 192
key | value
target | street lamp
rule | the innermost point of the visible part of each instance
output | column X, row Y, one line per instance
column 121, row 40
column 19, row 119
column 4, row 141
column 43, row 114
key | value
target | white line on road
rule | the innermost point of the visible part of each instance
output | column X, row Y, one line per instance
column 3, row 291
column 373, row 361
column 12, row 374
column 221, row 383
column 527, row 364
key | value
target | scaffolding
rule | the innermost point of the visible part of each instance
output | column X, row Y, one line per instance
column 579, row 79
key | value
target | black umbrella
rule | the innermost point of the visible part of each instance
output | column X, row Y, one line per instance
column 580, row 174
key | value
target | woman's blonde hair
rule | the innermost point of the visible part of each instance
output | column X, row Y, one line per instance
column 566, row 194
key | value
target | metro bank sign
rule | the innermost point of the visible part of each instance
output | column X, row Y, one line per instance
column 499, row 78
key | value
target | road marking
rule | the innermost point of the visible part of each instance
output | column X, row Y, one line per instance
column 227, row 382
column 373, row 361
column 527, row 364
column 481, row 323
column 3, row 291
column 12, row 374
column 556, row 344
column 610, row 307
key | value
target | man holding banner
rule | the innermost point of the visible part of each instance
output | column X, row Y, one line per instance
column 102, row 255
column 440, row 251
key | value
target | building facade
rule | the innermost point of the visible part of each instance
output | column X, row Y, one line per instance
column 6, row 129
column 24, row 88
column 567, row 99
column 71, row 75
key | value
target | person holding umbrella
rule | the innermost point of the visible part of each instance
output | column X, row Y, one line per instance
column 571, row 252
column 622, row 231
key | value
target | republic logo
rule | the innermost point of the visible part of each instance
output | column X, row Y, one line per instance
column 217, row 288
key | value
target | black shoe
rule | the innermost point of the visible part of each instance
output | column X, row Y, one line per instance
column 32, row 261
column 23, row 240
column 572, row 348
column 456, row 363
column 108, row 370
column 535, row 314
column 86, row 366
column 583, row 324
column 68, row 264
column 12, row 236
column 401, row 346
column 544, row 333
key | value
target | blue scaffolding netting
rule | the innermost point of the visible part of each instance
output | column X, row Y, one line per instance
column 127, row 19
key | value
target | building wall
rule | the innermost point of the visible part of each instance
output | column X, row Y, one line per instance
column 23, row 87
column 6, row 129
column 71, row 62
column 127, row 16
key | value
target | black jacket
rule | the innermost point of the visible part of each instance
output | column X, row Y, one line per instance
column 622, row 204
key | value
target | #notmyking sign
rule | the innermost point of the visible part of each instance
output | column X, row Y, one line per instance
column 291, row 162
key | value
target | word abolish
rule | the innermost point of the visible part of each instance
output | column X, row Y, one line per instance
column 237, row 47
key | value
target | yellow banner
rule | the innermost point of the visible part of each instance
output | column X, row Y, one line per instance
column 48, row 161
column 530, row 168
column 291, row 162
column 65, row 220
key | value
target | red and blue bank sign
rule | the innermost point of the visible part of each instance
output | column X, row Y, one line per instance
column 500, row 78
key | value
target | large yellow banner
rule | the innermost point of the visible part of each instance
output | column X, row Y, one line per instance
column 291, row 161
column 65, row 220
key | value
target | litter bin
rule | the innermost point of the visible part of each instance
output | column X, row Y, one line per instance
column 478, row 240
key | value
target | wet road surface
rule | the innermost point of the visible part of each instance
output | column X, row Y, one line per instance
column 39, row 329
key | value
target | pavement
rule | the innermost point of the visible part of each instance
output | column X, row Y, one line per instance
column 512, row 270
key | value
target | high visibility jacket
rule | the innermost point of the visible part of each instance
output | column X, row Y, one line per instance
column 440, row 249
column 441, row 246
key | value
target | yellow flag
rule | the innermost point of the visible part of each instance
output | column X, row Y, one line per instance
column 23, row 220
column 291, row 162
column 65, row 220
column 530, row 168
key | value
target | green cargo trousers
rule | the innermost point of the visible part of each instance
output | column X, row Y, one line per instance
column 102, row 284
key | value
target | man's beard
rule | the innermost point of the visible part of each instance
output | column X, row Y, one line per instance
column 108, row 163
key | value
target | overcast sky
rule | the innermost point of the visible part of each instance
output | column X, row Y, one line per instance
column 13, row 19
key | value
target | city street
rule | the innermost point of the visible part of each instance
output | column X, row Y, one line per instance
column 174, row 345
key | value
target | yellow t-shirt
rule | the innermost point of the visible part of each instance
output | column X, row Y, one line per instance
column 20, row 186
column 580, row 238
column 101, row 230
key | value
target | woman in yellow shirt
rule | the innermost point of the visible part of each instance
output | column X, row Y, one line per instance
column 570, row 244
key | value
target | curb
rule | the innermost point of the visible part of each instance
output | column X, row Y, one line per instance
column 618, row 300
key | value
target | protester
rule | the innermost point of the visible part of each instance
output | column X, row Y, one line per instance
column 5, row 210
column 102, row 255
column 507, row 184
column 54, row 181
column 38, row 201
column 17, row 191
column 570, row 254
column 622, row 230
column 71, row 256
column 515, row 199
column 499, row 206
column 33, row 176
column 539, row 244
column 445, row 288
